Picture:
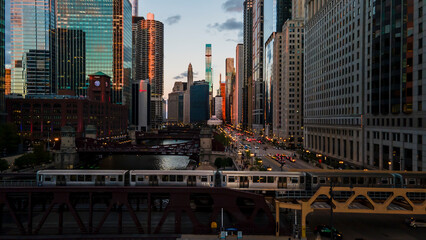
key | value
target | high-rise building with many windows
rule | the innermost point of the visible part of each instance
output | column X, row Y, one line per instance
column 209, row 73
column 107, row 25
column 334, row 78
column 229, row 78
column 238, row 86
column 32, row 23
column 149, row 62
column 247, row 103
column 395, row 117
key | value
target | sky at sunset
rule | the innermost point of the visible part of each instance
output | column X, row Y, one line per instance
column 188, row 26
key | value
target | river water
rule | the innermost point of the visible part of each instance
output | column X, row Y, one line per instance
column 146, row 162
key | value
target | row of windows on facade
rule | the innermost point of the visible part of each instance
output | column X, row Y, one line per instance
column 406, row 137
column 352, row 121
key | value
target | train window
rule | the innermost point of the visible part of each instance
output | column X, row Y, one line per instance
column 88, row 178
column 294, row 180
column 120, row 178
column 223, row 178
column 203, row 178
column 47, row 179
column 113, row 179
column 271, row 179
column 231, row 179
column 81, row 178
column 322, row 180
column 172, row 178
column 345, row 180
column 384, row 181
column 73, row 178
column 140, row 179
column 133, row 178
column 411, row 181
column 360, row 180
column 353, row 180
column 256, row 179
column 179, row 178
column 165, row 178
column 211, row 178
column 262, row 179
column 302, row 180
column 314, row 180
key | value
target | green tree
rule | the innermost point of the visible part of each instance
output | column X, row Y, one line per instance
column 4, row 165
column 218, row 163
column 9, row 139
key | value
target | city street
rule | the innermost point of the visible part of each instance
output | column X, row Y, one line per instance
column 365, row 226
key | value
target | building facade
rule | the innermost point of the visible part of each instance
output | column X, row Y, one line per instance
column 187, row 97
column 395, row 117
column 334, row 78
column 149, row 62
column 175, row 107
column 288, row 84
column 248, row 65
column 229, row 79
column 31, row 28
column 70, row 50
column 200, row 103
column 140, row 108
column 238, row 87
column 209, row 73
column 2, row 63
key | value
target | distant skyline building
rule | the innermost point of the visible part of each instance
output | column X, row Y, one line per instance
column 37, row 67
column 209, row 73
column 218, row 107
column 135, row 8
column 229, row 78
column 175, row 106
column 238, row 86
column 31, row 26
column 200, row 104
column 247, row 103
column 187, row 97
column 149, row 62
column 223, row 95
column 141, row 105
column 7, row 81
column 70, row 52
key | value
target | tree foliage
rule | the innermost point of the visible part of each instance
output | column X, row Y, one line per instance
column 9, row 139
column 38, row 157
column 4, row 165
column 223, row 162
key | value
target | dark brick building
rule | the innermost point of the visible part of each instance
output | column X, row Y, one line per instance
column 41, row 117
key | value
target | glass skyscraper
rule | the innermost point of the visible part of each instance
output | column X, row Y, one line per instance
column 31, row 24
column 107, row 25
column 209, row 74
column 2, row 61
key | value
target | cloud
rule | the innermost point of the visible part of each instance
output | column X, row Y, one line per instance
column 228, row 25
column 184, row 75
column 173, row 19
column 233, row 6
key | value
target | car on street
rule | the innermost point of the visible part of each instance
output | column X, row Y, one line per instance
column 326, row 231
column 415, row 223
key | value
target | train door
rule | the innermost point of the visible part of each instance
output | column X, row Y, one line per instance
column 217, row 179
column 192, row 181
column 100, row 180
column 60, row 180
column 244, row 182
column 397, row 180
column 308, row 181
column 282, row 182
column 153, row 180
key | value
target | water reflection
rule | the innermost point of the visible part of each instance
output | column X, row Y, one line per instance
column 144, row 162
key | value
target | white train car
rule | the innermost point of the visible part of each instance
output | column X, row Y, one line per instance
column 81, row 177
column 180, row 178
column 263, row 180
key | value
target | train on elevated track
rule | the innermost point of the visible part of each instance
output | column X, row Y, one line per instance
column 242, row 180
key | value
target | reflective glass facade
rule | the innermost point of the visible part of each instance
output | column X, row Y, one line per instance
column 200, row 110
column 2, row 60
column 31, row 24
column 209, row 74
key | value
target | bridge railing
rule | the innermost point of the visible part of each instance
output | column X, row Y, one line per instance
column 18, row 183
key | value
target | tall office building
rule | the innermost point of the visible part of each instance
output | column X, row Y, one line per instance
column 7, row 81
column 149, row 62
column 395, row 114
column 200, row 105
column 248, row 65
column 175, row 103
column 32, row 23
column 209, row 73
column 223, row 95
column 238, row 86
column 135, row 8
column 108, row 32
column 229, row 78
column 288, row 84
column 2, row 62
column 276, row 12
column 141, row 105
column 218, row 107
column 70, row 50
column 258, row 46
column 298, row 9
column 334, row 75
column 187, row 97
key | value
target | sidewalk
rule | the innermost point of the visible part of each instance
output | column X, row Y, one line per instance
column 246, row 237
